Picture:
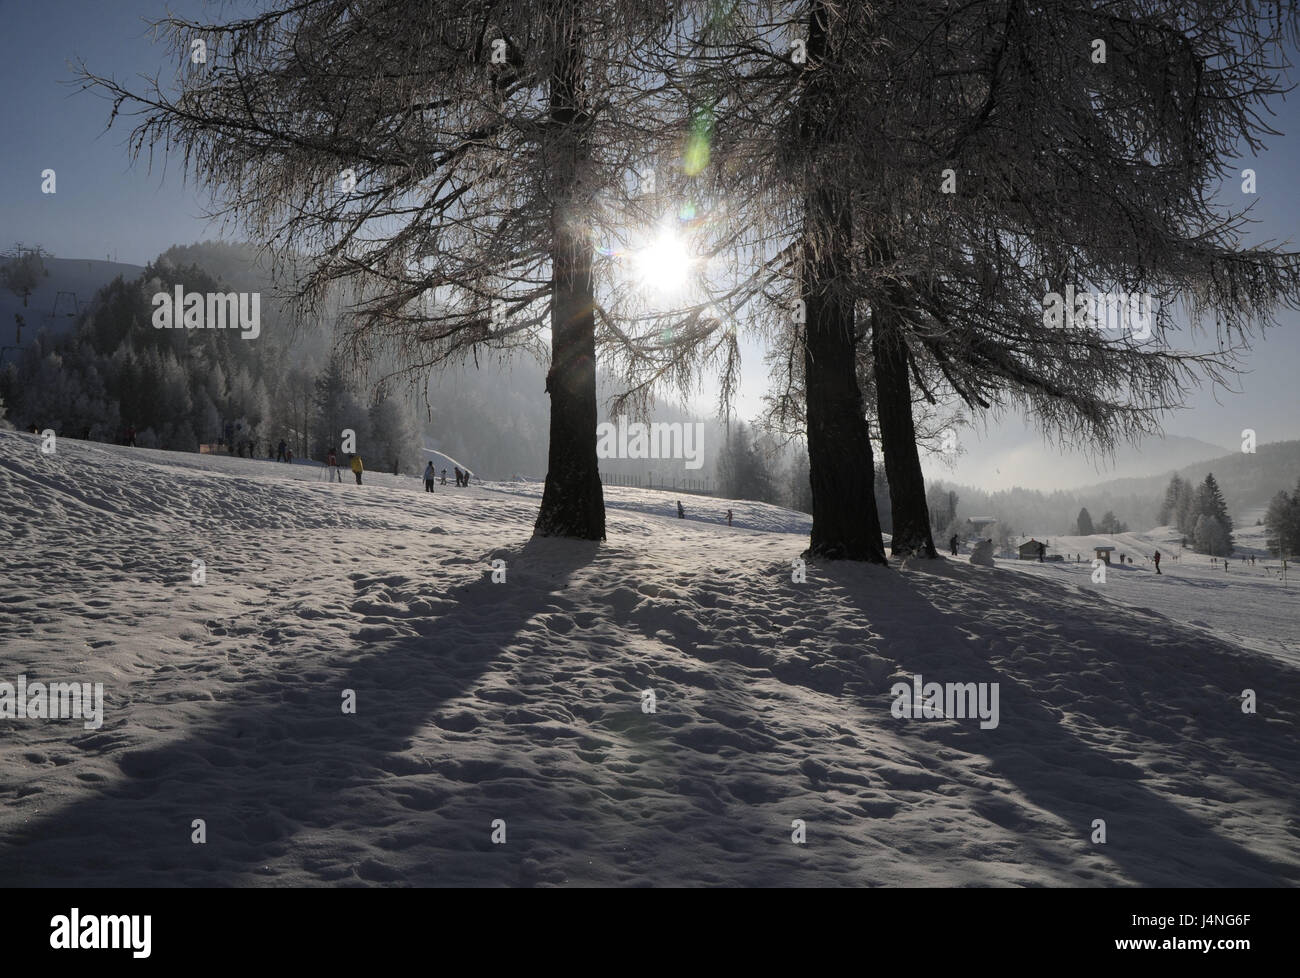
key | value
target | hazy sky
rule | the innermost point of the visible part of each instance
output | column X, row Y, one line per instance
column 105, row 207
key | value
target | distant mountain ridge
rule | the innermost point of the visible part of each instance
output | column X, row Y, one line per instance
column 1248, row 482
column 1004, row 461
column 1248, row 479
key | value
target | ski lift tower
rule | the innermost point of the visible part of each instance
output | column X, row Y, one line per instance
column 71, row 299
column 19, row 323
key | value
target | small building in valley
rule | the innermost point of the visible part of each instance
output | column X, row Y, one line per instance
column 1030, row 549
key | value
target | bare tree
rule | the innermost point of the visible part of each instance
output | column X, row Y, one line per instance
column 950, row 167
column 1053, row 149
column 453, row 164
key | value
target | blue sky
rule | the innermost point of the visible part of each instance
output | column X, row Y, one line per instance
column 106, row 207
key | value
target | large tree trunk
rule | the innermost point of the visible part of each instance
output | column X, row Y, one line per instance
column 573, row 502
column 840, row 465
column 910, row 515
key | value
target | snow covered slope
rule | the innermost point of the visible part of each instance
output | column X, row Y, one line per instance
column 522, row 701
column 1244, row 604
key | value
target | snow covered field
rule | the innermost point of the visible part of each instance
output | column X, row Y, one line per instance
column 1246, row 605
column 522, row 701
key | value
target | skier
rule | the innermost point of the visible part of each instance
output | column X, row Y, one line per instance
column 458, row 474
column 357, row 467
column 288, row 455
column 279, row 455
column 130, row 434
column 1156, row 558
column 1042, row 552
column 728, row 517
column 952, row 544
column 429, row 476
column 332, row 460
column 444, row 477
column 681, row 513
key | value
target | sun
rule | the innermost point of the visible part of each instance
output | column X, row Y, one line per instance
column 664, row 265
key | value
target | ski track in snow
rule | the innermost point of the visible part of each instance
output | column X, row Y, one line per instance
column 522, row 700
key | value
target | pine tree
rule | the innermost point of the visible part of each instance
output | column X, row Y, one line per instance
column 331, row 400
column 942, row 505
column 1169, row 508
column 1209, row 502
column 1282, row 524
column 1085, row 526
column 743, row 472
column 798, row 491
column 1211, row 537
column 1186, row 513
column 394, row 436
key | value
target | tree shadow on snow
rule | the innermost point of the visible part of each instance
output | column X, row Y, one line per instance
column 285, row 769
column 1091, row 666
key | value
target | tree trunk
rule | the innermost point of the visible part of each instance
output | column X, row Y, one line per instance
column 908, row 510
column 841, row 469
column 573, row 502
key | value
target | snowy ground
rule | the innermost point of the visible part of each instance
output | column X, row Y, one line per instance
column 522, row 700
column 1246, row 605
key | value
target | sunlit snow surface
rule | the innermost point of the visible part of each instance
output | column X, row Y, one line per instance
column 522, row 700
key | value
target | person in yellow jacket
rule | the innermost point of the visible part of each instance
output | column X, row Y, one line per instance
column 357, row 467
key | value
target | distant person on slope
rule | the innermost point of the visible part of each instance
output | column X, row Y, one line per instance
column 458, row 475
column 429, row 476
column 952, row 544
column 288, row 455
column 130, row 434
column 444, row 477
column 332, row 460
column 728, row 517
column 279, row 456
column 1156, row 558
column 1042, row 552
column 681, row 513
column 357, row 467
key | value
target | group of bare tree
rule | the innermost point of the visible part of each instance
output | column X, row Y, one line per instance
column 890, row 190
